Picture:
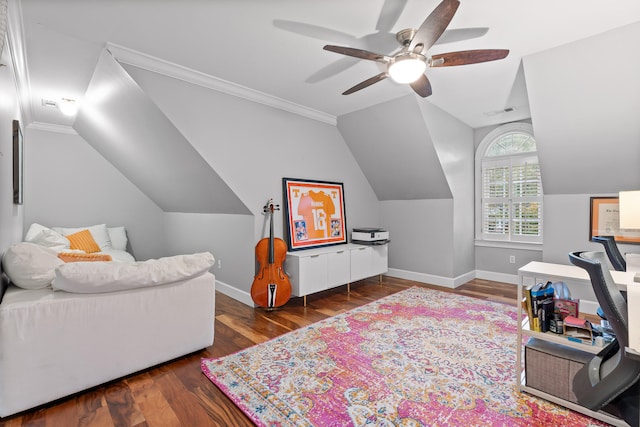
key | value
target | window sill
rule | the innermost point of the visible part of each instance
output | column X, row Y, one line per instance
column 509, row 245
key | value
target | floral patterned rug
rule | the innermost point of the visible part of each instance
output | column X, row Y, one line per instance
column 420, row 357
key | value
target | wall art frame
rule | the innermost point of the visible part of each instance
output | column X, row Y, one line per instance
column 18, row 163
column 314, row 213
column 604, row 220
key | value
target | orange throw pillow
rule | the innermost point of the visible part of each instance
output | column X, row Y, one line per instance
column 84, row 241
column 75, row 257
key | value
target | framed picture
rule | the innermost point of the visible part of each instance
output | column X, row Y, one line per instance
column 605, row 221
column 18, row 163
column 314, row 213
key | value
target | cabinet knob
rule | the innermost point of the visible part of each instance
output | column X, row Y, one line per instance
column 314, row 256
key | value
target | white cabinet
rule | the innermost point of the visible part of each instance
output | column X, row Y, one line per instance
column 314, row 270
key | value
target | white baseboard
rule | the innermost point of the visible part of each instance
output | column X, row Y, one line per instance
column 586, row 306
column 497, row 277
column 446, row 282
column 235, row 293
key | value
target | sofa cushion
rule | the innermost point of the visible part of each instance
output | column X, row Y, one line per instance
column 30, row 266
column 96, row 277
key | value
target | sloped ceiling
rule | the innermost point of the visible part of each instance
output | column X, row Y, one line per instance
column 584, row 99
column 131, row 132
column 393, row 147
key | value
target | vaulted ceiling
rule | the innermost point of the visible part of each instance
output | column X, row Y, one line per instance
column 273, row 49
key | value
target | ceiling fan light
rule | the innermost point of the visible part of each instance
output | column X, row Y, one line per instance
column 68, row 106
column 407, row 68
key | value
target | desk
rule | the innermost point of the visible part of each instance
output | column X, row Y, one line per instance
column 633, row 308
column 575, row 275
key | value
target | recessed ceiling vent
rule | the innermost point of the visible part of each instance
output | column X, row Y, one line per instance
column 49, row 103
column 504, row 110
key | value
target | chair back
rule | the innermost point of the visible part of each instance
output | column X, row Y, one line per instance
column 611, row 248
column 611, row 376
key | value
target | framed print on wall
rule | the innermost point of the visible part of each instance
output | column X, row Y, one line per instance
column 18, row 163
column 605, row 221
column 314, row 213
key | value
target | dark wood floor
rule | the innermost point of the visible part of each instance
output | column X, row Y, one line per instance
column 178, row 394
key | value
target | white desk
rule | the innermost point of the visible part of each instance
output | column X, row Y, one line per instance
column 579, row 276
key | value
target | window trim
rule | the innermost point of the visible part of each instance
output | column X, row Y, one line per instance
column 479, row 157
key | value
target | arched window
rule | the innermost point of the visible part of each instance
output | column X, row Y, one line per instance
column 509, row 186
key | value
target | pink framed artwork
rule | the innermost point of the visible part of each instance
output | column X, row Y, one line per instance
column 314, row 213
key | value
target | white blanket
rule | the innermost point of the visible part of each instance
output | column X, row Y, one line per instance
column 93, row 277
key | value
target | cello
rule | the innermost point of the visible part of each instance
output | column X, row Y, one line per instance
column 271, row 287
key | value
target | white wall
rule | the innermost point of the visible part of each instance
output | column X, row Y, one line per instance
column 11, row 216
column 69, row 184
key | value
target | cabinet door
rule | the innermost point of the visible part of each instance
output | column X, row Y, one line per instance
column 312, row 274
column 361, row 263
column 379, row 259
column 338, row 268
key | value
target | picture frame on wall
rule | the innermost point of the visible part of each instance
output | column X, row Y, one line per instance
column 604, row 220
column 18, row 163
column 314, row 213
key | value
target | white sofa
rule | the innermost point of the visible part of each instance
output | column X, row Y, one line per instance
column 56, row 343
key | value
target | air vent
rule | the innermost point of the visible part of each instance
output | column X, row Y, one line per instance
column 504, row 110
column 49, row 103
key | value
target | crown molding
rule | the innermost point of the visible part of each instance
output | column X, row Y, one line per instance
column 15, row 38
column 49, row 127
column 160, row 66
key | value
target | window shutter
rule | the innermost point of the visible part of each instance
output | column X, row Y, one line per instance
column 495, row 200
column 512, row 199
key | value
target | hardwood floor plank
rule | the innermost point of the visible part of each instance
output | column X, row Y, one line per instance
column 122, row 406
column 151, row 401
column 178, row 393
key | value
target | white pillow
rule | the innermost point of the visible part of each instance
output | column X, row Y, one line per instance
column 30, row 266
column 34, row 230
column 118, row 236
column 47, row 237
column 98, row 232
column 51, row 239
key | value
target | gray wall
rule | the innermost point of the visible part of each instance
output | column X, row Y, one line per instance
column 69, row 184
column 11, row 216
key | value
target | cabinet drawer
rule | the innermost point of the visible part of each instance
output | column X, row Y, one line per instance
column 312, row 274
column 338, row 268
column 361, row 263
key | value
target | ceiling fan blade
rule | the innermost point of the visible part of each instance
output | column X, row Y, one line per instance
column 314, row 31
column 391, row 10
column 459, row 34
column 422, row 86
column 366, row 83
column 433, row 27
column 465, row 57
column 358, row 53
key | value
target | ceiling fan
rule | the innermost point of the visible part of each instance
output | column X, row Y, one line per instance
column 409, row 63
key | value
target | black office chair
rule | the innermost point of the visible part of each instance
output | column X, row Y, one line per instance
column 615, row 258
column 610, row 380
column 613, row 253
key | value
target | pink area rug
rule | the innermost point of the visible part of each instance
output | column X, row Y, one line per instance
column 416, row 358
